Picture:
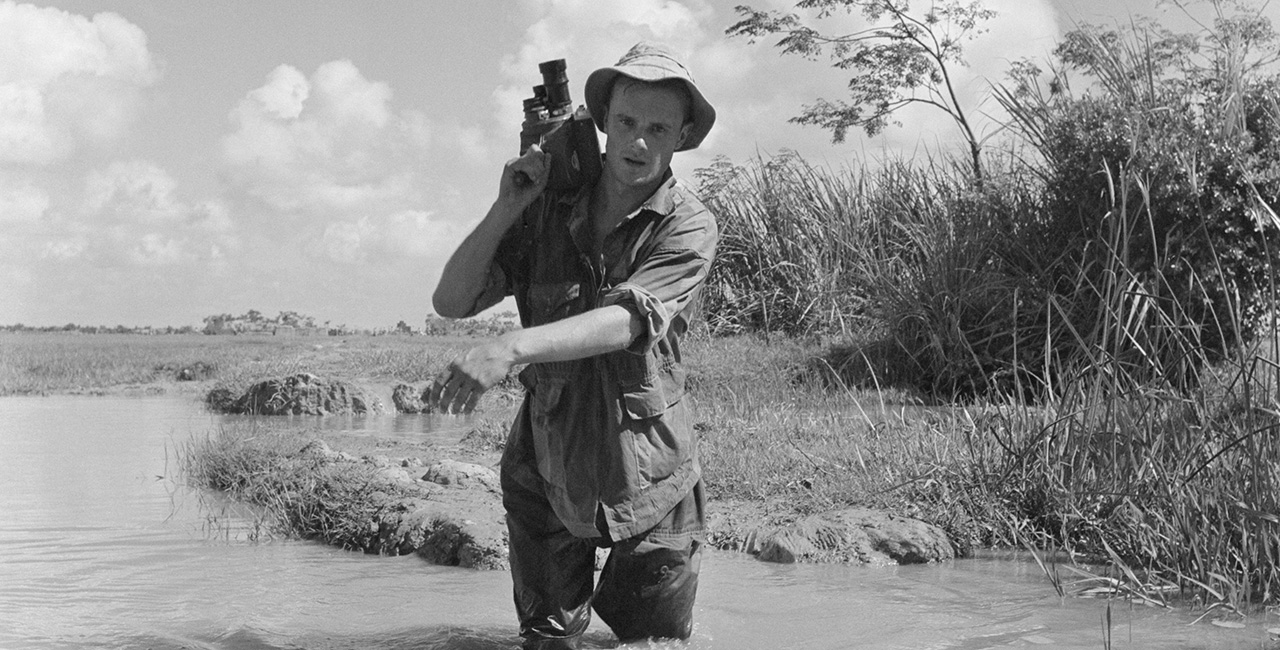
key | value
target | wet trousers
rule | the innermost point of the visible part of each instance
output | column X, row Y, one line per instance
column 646, row 589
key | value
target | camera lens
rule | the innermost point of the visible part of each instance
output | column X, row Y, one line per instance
column 556, row 82
column 553, row 71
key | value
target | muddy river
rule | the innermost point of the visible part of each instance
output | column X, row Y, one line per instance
column 103, row 546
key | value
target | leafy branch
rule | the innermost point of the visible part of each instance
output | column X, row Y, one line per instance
column 903, row 58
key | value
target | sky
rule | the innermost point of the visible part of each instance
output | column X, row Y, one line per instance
column 161, row 162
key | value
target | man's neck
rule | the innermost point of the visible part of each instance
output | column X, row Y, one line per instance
column 613, row 201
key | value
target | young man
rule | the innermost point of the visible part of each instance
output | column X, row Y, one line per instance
column 603, row 452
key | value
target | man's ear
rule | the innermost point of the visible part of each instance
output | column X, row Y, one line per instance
column 684, row 134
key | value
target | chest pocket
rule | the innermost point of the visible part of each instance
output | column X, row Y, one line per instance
column 553, row 301
column 648, row 384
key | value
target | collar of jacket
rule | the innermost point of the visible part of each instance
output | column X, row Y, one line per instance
column 662, row 201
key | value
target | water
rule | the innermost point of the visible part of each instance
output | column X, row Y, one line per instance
column 101, row 546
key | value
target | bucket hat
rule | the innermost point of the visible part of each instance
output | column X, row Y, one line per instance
column 650, row 62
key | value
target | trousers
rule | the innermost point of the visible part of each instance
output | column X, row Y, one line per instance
column 646, row 588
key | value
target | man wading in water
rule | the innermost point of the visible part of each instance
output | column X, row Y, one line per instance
column 602, row 453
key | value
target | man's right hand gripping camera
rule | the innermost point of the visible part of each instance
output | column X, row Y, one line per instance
column 568, row 135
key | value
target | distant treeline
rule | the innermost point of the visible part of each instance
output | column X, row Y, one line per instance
column 293, row 323
column 99, row 329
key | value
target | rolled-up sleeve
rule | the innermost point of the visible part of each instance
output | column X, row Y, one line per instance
column 669, row 278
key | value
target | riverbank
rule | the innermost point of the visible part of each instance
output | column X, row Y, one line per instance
column 762, row 485
column 103, row 553
column 788, row 435
column 441, row 501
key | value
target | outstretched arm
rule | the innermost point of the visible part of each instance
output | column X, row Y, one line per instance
column 467, row 377
column 466, row 273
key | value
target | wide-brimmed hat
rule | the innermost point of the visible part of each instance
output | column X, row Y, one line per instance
column 650, row 62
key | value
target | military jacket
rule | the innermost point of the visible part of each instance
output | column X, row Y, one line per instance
column 611, row 435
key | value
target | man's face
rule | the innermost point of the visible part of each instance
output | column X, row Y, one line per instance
column 644, row 126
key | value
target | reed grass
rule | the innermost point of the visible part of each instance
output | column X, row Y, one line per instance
column 1089, row 337
column 778, row 269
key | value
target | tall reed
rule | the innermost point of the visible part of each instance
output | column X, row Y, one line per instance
column 1178, row 482
column 787, row 233
column 1104, row 305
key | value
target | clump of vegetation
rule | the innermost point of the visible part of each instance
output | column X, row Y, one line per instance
column 306, row 495
column 489, row 435
column 1143, row 202
column 1102, row 304
column 1172, row 176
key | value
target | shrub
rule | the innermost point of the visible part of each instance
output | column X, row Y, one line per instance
column 1189, row 142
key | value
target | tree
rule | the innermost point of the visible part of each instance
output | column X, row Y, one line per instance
column 903, row 58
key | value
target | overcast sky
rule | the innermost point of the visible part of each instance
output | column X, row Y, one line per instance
column 164, row 161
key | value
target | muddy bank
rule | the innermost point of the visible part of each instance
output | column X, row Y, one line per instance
column 444, row 504
column 448, row 511
column 445, row 510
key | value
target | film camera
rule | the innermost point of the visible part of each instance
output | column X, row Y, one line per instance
column 568, row 135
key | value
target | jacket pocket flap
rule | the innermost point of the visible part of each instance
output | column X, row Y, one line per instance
column 644, row 401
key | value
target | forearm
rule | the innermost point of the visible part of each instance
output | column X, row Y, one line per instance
column 467, row 377
column 596, row 332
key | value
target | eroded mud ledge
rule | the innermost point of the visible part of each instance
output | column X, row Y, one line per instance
column 444, row 503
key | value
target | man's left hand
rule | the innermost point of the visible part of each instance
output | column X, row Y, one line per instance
column 458, row 388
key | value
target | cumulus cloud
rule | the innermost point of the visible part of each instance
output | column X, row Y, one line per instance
column 285, row 91
column 135, row 190
column 66, row 80
column 328, row 145
column 131, row 214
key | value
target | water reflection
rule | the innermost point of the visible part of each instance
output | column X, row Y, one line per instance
column 103, row 546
